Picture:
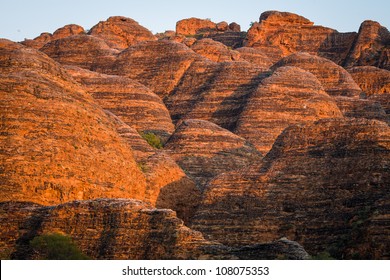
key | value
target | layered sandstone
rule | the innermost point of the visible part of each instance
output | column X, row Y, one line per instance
column 121, row 32
column 214, row 51
column 290, row 96
column 371, row 47
column 121, row 229
column 335, row 79
column 57, row 143
column 81, row 50
column 362, row 108
column 255, row 56
column 135, row 104
column 371, row 80
column 280, row 34
column 63, row 32
column 193, row 26
column 205, row 150
column 337, row 165
column 215, row 92
column 159, row 65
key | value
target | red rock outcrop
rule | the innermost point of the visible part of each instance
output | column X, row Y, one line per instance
column 205, row 150
column 255, row 56
column 371, row 80
column 371, row 47
column 279, row 34
column 335, row 79
column 83, row 51
column 135, row 104
column 362, row 108
column 158, row 65
column 122, row 229
column 215, row 92
column 214, row 51
column 57, row 143
column 67, row 30
column 290, row 96
column 121, row 32
column 39, row 41
column 337, row 165
column 192, row 26
column 63, row 32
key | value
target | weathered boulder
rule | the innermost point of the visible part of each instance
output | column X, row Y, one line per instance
column 121, row 32
column 290, row 96
column 205, row 150
column 57, row 143
column 215, row 92
column 338, row 165
column 81, row 50
column 371, row 47
column 214, row 51
column 192, row 26
column 371, row 80
column 121, row 229
column 255, row 56
column 335, row 79
column 159, row 65
column 135, row 104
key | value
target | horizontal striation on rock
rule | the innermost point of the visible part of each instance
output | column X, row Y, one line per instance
column 158, row 65
column 121, row 32
column 63, row 32
column 135, row 104
column 205, row 150
column 122, row 229
column 371, row 47
column 255, row 56
column 338, row 165
column 335, row 79
column 57, row 143
column 289, row 96
column 371, row 80
column 214, row 51
column 361, row 108
column 214, row 92
column 83, row 51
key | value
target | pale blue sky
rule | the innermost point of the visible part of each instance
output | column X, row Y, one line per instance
column 27, row 19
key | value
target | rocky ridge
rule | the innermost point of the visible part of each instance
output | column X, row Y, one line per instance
column 245, row 136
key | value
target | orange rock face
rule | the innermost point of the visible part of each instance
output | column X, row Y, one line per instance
column 193, row 26
column 57, row 143
column 371, row 80
column 118, row 138
column 335, row 79
column 121, row 32
column 290, row 96
column 280, row 34
column 371, row 47
column 158, row 65
column 205, row 150
column 135, row 104
column 214, row 51
column 310, row 168
column 81, row 50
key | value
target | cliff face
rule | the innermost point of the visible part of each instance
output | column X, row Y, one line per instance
column 310, row 168
column 121, row 229
column 121, row 32
column 57, row 143
column 130, row 142
column 291, row 95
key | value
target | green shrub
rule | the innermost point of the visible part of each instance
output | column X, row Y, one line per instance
column 153, row 140
column 56, row 246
